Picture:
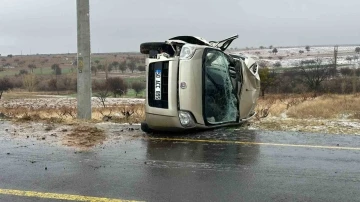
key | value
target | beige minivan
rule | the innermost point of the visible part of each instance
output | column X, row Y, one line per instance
column 194, row 84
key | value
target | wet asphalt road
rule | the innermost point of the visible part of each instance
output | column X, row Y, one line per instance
column 209, row 166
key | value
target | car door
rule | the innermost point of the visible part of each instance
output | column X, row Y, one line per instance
column 223, row 44
column 219, row 100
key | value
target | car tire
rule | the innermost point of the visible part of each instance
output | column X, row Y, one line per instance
column 145, row 127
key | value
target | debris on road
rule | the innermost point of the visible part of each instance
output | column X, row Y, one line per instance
column 85, row 136
column 48, row 128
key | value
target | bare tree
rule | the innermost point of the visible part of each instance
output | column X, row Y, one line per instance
column 57, row 72
column 115, row 64
column 20, row 63
column 123, row 66
column 313, row 74
column 356, row 58
column 117, row 86
column 349, row 59
column 354, row 80
column 132, row 66
column 307, row 48
column 56, row 68
column 29, row 82
column 94, row 69
column 275, row 51
column 277, row 64
column 110, row 67
column 5, row 85
column 52, row 84
column 345, row 72
column 23, row 72
column 357, row 50
column 141, row 68
column 32, row 67
column 138, row 87
column 263, row 63
column 103, row 94
column 106, row 68
column 100, row 67
column 42, row 65
column 267, row 79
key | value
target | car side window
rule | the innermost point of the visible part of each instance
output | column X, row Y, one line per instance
column 219, row 101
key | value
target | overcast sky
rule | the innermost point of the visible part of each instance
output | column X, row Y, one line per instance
column 49, row 26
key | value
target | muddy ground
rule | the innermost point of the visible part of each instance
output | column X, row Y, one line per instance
column 86, row 135
column 70, row 132
column 80, row 135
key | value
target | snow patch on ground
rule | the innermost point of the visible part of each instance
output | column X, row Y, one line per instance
column 331, row 126
column 55, row 102
column 291, row 56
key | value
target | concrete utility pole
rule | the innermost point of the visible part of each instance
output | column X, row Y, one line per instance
column 83, row 60
column 336, row 49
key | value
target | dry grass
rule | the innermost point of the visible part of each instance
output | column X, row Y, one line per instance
column 305, row 106
column 278, row 104
column 336, row 106
column 25, row 106
column 131, row 113
column 122, row 113
column 275, row 106
column 291, row 106
column 19, row 94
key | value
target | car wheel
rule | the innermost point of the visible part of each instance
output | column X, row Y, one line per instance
column 145, row 127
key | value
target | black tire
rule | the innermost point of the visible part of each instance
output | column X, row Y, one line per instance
column 145, row 48
column 145, row 127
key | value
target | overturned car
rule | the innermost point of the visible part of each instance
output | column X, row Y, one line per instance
column 194, row 84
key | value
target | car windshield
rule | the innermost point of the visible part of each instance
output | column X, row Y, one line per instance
column 220, row 104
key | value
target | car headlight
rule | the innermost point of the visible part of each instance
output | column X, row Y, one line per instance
column 186, row 119
column 187, row 51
